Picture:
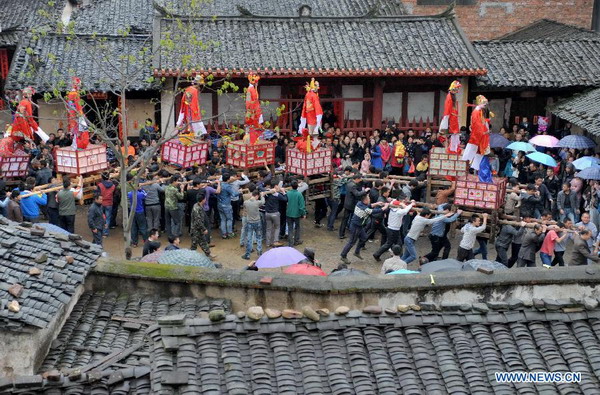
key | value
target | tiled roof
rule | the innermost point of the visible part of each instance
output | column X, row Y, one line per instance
column 549, row 29
column 290, row 8
column 323, row 46
column 113, row 17
column 552, row 64
column 456, row 350
column 56, row 58
column 447, row 348
column 582, row 110
column 43, row 295
column 103, row 347
column 16, row 16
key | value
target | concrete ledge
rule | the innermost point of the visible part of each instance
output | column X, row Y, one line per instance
column 344, row 285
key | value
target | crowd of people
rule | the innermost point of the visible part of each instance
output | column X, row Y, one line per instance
column 549, row 207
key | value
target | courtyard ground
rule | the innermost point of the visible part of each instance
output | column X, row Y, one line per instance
column 229, row 253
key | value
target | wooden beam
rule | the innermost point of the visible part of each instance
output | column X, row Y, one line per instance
column 377, row 103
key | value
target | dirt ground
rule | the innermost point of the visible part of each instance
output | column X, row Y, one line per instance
column 229, row 253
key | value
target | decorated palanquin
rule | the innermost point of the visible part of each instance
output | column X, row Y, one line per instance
column 309, row 163
column 246, row 156
column 471, row 192
column 14, row 164
column 90, row 160
column 441, row 163
column 185, row 155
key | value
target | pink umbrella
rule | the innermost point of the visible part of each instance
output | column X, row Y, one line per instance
column 305, row 269
column 544, row 140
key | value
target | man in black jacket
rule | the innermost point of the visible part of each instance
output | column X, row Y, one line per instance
column 96, row 221
column 354, row 192
column 529, row 201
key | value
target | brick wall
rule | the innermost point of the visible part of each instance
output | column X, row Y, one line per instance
column 484, row 20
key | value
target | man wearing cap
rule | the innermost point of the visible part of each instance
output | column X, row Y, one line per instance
column 190, row 115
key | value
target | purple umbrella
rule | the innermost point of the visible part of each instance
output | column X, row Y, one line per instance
column 498, row 141
column 277, row 257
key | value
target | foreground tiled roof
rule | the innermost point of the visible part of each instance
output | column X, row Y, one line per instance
column 103, row 347
column 418, row 46
column 290, row 8
column 42, row 295
column 582, row 110
column 549, row 29
column 447, row 349
column 50, row 61
column 553, row 64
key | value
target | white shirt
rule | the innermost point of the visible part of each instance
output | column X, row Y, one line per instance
column 470, row 235
column 396, row 216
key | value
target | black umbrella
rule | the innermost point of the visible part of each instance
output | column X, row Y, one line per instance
column 348, row 272
column 445, row 265
column 474, row 264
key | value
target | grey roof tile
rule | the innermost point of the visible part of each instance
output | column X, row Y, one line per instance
column 553, row 66
column 582, row 110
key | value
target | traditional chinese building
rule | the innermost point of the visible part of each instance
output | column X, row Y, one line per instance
column 374, row 64
column 534, row 67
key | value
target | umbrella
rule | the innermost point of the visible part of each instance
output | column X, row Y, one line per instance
column 575, row 141
column 498, row 141
column 348, row 272
column 521, row 146
column 152, row 257
column 544, row 159
column 585, row 162
column 591, row 173
column 185, row 258
column 404, row 271
column 52, row 228
column 445, row 265
column 474, row 264
column 305, row 269
column 277, row 257
column 544, row 140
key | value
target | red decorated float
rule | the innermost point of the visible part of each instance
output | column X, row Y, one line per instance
column 309, row 163
column 175, row 152
column 472, row 192
column 90, row 160
column 246, row 156
column 444, row 164
column 14, row 165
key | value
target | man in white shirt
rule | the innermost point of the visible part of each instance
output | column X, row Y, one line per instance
column 470, row 232
column 395, row 217
column 418, row 225
column 394, row 263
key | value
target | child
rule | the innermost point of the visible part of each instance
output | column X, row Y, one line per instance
column 365, row 164
column 337, row 160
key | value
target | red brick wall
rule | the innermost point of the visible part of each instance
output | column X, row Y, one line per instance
column 486, row 20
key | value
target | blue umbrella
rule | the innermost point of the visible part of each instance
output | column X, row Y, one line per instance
column 575, row 141
column 544, row 159
column 591, row 173
column 185, row 258
column 521, row 146
column 404, row 271
column 498, row 141
column 585, row 162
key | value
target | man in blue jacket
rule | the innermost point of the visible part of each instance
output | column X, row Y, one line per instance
column 30, row 206
column 360, row 220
